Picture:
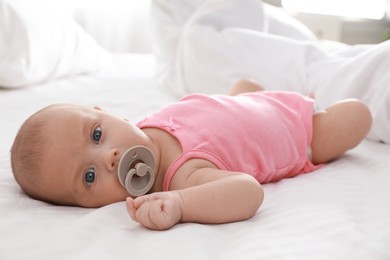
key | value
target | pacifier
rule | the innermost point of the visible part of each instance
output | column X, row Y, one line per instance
column 136, row 170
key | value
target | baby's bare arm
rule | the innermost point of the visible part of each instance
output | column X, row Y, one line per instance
column 206, row 195
column 244, row 86
column 220, row 197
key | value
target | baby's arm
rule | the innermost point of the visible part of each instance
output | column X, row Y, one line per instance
column 244, row 86
column 206, row 195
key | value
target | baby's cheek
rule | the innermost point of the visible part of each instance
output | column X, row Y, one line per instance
column 121, row 193
column 112, row 193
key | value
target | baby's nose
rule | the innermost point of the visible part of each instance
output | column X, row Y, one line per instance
column 112, row 159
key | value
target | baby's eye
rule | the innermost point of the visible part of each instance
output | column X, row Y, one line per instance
column 89, row 177
column 97, row 134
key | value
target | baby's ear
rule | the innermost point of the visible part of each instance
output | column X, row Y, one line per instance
column 98, row 108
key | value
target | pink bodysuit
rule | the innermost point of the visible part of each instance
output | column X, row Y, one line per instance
column 264, row 134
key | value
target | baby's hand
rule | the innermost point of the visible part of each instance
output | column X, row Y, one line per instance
column 160, row 210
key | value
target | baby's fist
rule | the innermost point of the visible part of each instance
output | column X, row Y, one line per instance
column 160, row 210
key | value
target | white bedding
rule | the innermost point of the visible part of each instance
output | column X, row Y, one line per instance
column 338, row 212
column 207, row 45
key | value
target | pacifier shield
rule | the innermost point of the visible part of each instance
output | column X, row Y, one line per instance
column 136, row 170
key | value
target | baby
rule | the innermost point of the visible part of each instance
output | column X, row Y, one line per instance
column 211, row 152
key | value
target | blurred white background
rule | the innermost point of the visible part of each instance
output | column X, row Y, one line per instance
column 121, row 25
column 117, row 25
column 348, row 21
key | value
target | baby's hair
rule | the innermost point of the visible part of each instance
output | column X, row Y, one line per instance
column 27, row 154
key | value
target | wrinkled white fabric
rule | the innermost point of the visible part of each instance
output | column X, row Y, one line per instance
column 338, row 212
column 38, row 44
column 217, row 42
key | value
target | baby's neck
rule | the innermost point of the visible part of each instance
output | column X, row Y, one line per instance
column 166, row 149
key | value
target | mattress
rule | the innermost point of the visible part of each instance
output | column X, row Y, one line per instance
column 340, row 211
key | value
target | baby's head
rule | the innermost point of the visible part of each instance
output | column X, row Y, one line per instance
column 28, row 151
column 68, row 155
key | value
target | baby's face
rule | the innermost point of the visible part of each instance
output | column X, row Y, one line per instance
column 85, row 146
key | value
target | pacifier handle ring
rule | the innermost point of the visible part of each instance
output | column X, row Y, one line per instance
column 136, row 170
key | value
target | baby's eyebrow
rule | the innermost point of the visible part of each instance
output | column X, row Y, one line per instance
column 85, row 131
column 88, row 122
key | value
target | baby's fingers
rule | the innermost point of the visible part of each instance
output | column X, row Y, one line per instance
column 131, row 209
column 137, row 202
column 149, row 214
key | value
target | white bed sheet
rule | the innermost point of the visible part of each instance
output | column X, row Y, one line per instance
column 340, row 211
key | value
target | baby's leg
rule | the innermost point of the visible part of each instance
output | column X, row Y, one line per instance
column 339, row 128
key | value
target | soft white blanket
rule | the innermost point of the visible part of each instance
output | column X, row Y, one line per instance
column 207, row 45
column 340, row 212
